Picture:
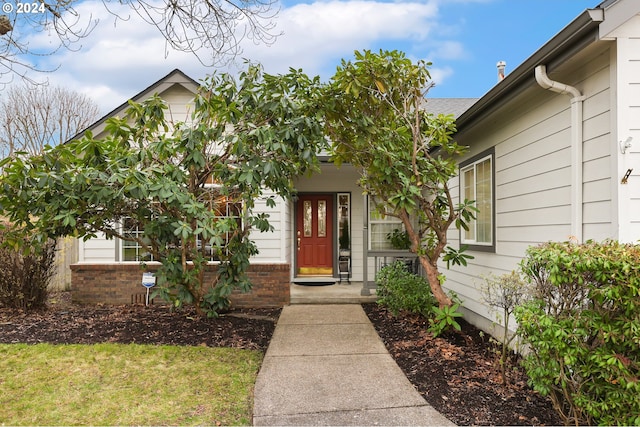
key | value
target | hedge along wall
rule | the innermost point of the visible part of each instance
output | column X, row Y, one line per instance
column 119, row 284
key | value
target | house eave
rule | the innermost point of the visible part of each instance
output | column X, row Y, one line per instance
column 140, row 96
column 580, row 33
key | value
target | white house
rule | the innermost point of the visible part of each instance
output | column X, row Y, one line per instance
column 327, row 226
column 553, row 151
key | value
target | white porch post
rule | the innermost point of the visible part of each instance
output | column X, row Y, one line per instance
column 366, row 289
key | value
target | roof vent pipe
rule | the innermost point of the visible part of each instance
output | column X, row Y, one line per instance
column 576, row 145
column 501, row 66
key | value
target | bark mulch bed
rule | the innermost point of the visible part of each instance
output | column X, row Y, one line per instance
column 66, row 323
column 457, row 374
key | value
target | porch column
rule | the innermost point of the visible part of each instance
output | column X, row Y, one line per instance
column 366, row 289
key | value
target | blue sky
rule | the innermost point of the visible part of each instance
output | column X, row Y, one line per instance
column 464, row 39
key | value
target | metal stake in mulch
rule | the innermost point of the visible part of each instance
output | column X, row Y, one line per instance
column 148, row 281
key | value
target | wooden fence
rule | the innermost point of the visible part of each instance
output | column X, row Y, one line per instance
column 66, row 254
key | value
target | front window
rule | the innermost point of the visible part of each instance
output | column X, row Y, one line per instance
column 381, row 227
column 476, row 184
column 132, row 250
column 224, row 208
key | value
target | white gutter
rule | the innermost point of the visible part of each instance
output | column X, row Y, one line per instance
column 577, row 100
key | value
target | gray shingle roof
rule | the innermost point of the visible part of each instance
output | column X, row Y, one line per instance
column 455, row 106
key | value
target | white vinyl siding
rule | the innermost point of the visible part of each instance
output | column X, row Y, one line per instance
column 180, row 102
column 272, row 245
column 531, row 137
column 99, row 250
column 627, row 80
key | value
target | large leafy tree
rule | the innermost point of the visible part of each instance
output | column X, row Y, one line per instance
column 378, row 122
column 246, row 139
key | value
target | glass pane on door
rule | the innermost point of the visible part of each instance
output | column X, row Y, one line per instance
column 322, row 218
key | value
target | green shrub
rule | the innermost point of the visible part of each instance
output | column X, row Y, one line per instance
column 583, row 329
column 503, row 294
column 24, row 278
column 401, row 290
column 399, row 239
column 444, row 319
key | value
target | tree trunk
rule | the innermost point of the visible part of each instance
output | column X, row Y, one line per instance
column 431, row 269
column 434, row 283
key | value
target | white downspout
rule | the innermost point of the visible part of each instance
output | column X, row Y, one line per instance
column 577, row 100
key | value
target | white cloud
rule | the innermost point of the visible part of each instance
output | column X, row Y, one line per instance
column 316, row 36
column 440, row 75
column 447, row 49
column 119, row 58
column 117, row 61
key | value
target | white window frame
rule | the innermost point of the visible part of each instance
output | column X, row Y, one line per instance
column 131, row 244
column 344, row 215
column 381, row 220
column 486, row 202
column 230, row 208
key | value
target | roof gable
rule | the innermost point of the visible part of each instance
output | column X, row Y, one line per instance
column 175, row 79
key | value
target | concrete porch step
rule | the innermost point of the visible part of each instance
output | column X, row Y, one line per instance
column 337, row 293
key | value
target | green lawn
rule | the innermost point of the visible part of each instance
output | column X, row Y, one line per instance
column 114, row 384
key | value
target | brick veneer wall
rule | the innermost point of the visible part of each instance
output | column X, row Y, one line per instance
column 122, row 284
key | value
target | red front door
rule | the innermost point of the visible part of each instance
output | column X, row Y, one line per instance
column 314, row 234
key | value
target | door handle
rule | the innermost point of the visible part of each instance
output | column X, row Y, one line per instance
column 299, row 243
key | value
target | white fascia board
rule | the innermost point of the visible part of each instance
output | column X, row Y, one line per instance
column 616, row 15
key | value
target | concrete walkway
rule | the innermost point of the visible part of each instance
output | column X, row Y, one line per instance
column 326, row 365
